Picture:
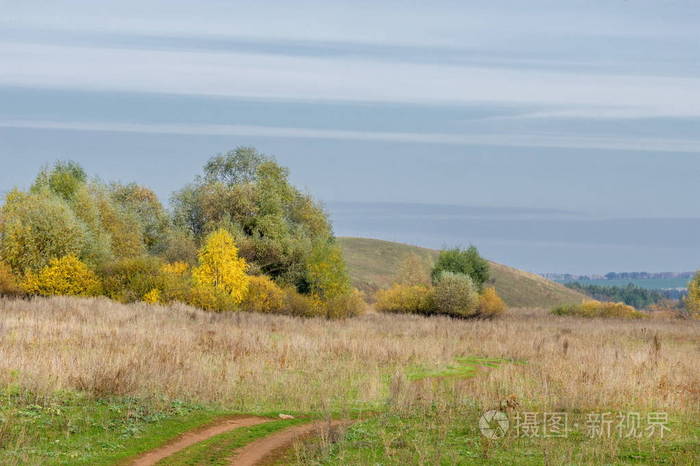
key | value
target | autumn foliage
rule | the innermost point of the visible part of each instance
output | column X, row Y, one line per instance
column 240, row 237
column 66, row 276
column 8, row 282
column 593, row 308
column 221, row 268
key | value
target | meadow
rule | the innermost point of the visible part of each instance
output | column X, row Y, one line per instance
column 92, row 381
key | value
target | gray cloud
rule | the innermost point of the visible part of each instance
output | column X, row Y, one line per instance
column 511, row 140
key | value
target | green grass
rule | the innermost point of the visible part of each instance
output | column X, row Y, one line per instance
column 217, row 449
column 466, row 367
column 69, row 428
column 449, row 435
column 373, row 264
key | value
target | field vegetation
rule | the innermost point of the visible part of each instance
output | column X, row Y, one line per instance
column 89, row 381
column 594, row 308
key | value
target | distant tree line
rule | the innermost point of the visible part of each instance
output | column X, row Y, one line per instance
column 631, row 294
column 646, row 275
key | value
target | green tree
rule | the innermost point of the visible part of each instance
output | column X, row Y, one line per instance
column 327, row 274
column 249, row 194
column 38, row 227
column 462, row 261
column 63, row 179
column 142, row 204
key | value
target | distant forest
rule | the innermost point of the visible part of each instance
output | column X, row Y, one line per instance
column 620, row 276
column 631, row 294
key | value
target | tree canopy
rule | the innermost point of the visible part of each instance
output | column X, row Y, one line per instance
column 463, row 261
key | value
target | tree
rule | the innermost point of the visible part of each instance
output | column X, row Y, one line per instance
column 38, row 227
column 327, row 275
column 462, row 261
column 234, row 167
column 143, row 204
column 64, row 179
column 220, row 267
column 247, row 193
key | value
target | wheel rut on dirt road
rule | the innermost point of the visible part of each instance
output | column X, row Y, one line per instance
column 193, row 437
column 265, row 447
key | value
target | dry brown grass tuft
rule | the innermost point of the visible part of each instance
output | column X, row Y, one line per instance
column 256, row 362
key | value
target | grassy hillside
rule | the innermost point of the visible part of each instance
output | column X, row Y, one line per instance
column 373, row 264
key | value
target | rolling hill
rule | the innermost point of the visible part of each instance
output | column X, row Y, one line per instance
column 373, row 263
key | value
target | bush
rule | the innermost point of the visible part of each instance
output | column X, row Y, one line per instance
column 456, row 295
column 411, row 299
column 299, row 305
column 348, row 305
column 598, row 309
column 462, row 261
column 128, row 280
column 490, row 304
column 8, row 282
column 65, row 276
column 210, row 298
column 152, row 297
column 264, row 296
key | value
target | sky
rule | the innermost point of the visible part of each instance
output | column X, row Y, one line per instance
column 580, row 111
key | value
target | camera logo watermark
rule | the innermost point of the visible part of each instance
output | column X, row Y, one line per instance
column 494, row 424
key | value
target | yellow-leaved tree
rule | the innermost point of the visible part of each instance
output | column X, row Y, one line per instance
column 67, row 276
column 220, row 267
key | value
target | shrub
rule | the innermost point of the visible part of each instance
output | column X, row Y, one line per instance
column 220, row 267
column 152, row 297
column 412, row 299
column 175, row 268
column 594, row 308
column 462, row 261
column 347, row 305
column 297, row 304
column 64, row 276
column 490, row 304
column 264, row 296
column 129, row 279
column 456, row 295
column 210, row 298
column 8, row 282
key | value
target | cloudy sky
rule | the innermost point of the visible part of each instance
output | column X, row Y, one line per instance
column 590, row 107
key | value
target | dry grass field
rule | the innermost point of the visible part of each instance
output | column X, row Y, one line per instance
column 257, row 363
